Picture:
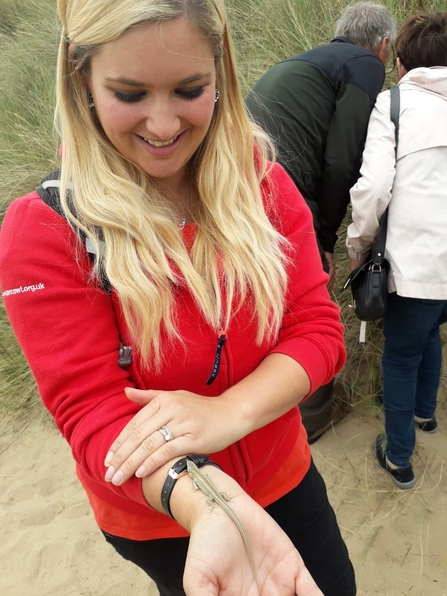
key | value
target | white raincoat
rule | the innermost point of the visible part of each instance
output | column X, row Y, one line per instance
column 415, row 189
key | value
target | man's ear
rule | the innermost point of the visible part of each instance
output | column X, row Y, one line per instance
column 401, row 70
column 382, row 50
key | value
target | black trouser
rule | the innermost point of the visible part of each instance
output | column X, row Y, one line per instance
column 304, row 514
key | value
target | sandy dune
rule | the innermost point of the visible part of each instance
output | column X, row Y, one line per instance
column 50, row 545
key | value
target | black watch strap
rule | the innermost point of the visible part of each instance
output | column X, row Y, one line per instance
column 178, row 468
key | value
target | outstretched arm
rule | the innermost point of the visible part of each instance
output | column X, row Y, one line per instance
column 217, row 561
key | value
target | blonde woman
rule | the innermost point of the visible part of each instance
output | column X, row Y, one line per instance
column 203, row 321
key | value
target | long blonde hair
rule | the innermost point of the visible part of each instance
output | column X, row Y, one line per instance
column 237, row 252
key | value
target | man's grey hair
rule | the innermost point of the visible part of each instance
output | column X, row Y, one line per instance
column 366, row 24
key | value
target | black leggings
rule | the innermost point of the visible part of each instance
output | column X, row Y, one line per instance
column 304, row 514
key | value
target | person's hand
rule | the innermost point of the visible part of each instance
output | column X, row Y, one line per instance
column 198, row 425
column 331, row 262
column 354, row 263
column 218, row 563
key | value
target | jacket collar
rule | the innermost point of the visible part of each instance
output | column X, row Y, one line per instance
column 342, row 40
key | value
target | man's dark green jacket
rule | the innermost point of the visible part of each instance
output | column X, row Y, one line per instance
column 316, row 106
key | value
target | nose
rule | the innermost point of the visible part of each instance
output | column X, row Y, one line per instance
column 162, row 119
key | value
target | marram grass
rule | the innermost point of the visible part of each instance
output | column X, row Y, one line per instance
column 265, row 32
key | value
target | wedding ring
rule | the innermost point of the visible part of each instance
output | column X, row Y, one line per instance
column 166, row 433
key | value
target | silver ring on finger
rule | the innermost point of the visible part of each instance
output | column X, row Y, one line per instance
column 166, row 433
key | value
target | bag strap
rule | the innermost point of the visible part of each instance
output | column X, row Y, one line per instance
column 394, row 112
column 378, row 253
column 49, row 192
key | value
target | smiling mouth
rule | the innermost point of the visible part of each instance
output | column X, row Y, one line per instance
column 159, row 143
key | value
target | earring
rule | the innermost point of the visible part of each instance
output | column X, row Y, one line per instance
column 217, row 95
column 91, row 103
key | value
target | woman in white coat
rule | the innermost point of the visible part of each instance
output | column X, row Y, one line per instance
column 415, row 190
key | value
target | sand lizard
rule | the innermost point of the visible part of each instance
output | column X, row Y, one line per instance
column 206, row 485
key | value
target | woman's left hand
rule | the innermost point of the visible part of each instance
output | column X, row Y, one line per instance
column 331, row 262
column 354, row 263
column 218, row 562
column 197, row 424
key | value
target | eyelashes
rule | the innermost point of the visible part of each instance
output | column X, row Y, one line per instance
column 186, row 94
column 190, row 93
column 128, row 97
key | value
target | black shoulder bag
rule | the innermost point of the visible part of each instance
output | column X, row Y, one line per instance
column 369, row 282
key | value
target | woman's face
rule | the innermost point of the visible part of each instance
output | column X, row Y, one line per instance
column 153, row 90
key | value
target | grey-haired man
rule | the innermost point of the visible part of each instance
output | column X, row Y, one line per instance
column 316, row 106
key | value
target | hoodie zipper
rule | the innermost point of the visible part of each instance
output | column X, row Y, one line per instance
column 221, row 340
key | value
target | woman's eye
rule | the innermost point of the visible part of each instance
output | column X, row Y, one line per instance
column 128, row 97
column 190, row 93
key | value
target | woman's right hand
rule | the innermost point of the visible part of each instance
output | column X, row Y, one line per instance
column 197, row 423
column 218, row 562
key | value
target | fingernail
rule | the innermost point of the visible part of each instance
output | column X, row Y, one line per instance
column 108, row 458
column 118, row 477
column 109, row 474
column 140, row 472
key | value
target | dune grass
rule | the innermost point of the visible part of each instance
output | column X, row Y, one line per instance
column 28, row 47
column 28, row 148
column 265, row 32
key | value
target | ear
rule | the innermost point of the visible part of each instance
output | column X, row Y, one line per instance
column 401, row 70
column 382, row 50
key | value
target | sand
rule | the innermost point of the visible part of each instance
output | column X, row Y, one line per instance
column 50, row 545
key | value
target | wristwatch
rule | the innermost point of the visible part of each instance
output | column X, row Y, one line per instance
column 176, row 470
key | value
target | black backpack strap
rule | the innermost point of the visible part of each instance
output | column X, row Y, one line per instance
column 49, row 192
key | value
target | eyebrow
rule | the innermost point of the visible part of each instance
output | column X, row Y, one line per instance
column 133, row 83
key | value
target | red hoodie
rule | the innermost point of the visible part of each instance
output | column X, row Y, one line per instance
column 70, row 330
